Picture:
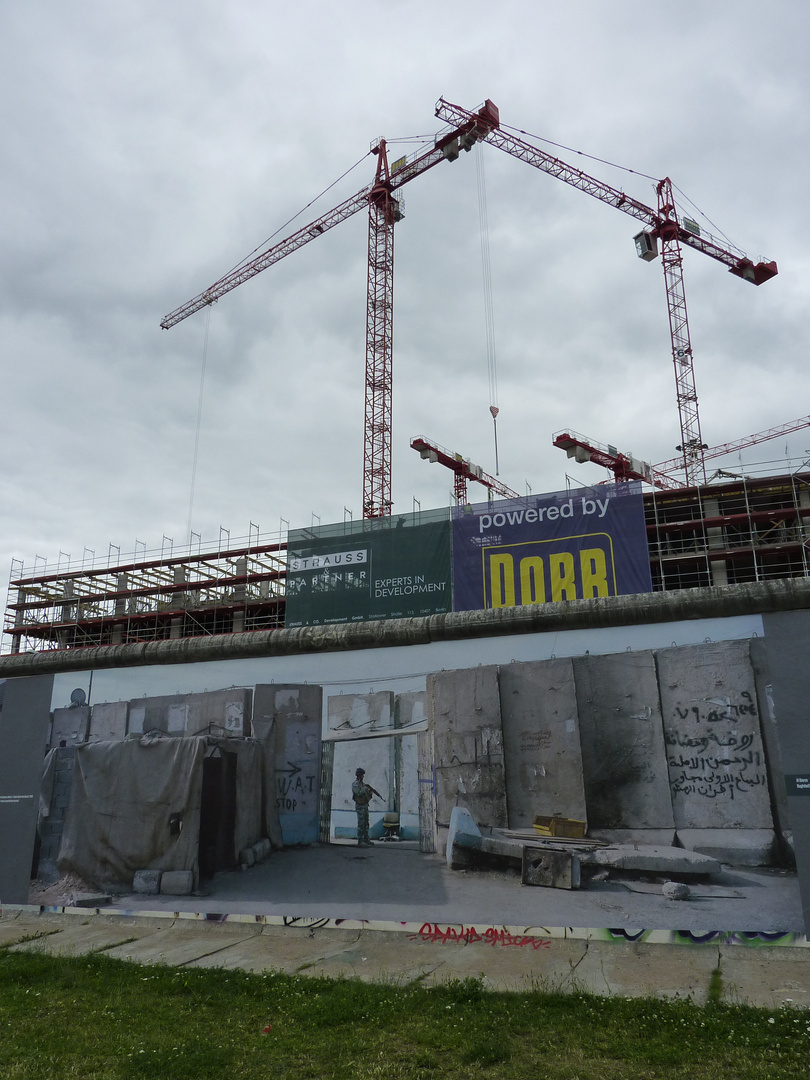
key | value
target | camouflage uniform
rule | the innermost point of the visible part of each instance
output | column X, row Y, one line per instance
column 361, row 793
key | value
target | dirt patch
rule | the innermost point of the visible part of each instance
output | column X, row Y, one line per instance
column 68, row 891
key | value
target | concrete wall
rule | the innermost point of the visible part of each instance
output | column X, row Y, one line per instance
column 70, row 726
column 465, row 713
column 360, row 712
column 655, row 747
column 716, row 755
column 542, row 755
column 108, row 720
column 193, row 714
column 294, row 711
column 623, row 752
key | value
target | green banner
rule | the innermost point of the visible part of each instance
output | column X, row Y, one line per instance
column 382, row 568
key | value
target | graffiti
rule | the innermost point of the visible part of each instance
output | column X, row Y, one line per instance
column 739, row 742
column 716, row 762
column 724, row 710
column 753, row 938
column 492, row 935
column 293, row 790
column 534, row 740
column 305, row 923
column 713, row 784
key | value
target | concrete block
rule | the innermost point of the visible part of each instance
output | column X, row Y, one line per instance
column 715, row 751
column 293, row 711
column 70, row 725
column 177, row 882
column 147, row 881
column 552, row 869
column 463, row 838
column 410, row 709
column 623, row 751
column 360, row 712
column 465, row 714
column 108, row 721
column 261, row 849
column 736, row 847
column 463, row 831
column 247, row 858
column 542, row 756
column 645, row 837
column 656, row 860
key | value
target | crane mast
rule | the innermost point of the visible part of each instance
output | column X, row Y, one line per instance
column 384, row 211
column 661, row 224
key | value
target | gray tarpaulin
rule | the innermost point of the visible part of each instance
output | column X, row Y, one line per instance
column 125, row 802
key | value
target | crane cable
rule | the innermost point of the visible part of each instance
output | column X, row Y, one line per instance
column 199, row 424
column 489, row 315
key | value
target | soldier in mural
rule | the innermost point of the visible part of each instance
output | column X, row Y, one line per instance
column 362, row 793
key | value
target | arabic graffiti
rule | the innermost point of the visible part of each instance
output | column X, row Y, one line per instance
column 708, row 753
column 723, row 709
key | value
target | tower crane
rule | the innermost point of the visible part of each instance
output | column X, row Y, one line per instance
column 384, row 210
column 627, row 467
column 463, row 470
column 660, row 224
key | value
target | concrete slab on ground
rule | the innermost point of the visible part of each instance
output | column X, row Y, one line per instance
column 738, row 847
column 764, row 975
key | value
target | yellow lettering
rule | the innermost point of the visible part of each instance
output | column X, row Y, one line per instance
column 502, row 580
column 594, row 573
column 532, row 586
column 561, row 572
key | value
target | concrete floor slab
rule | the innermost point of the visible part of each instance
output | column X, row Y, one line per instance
column 390, row 883
column 738, row 847
column 658, row 860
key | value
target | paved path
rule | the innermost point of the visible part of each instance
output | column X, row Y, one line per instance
column 392, row 914
column 769, row 976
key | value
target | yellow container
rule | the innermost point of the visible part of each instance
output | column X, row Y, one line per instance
column 559, row 826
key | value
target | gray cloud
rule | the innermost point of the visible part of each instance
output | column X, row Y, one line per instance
column 146, row 148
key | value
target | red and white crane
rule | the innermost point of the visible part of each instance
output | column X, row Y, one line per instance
column 467, row 128
column 463, row 470
column 627, row 467
column 661, row 224
column 383, row 212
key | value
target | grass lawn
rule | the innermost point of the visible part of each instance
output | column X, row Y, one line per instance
column 94, row 1017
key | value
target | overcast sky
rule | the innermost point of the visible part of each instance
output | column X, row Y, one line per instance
column 147, row 147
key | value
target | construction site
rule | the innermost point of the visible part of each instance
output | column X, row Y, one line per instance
column 701, row 530
column 617, row 658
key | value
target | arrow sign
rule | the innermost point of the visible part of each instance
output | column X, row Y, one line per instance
column 293, row 769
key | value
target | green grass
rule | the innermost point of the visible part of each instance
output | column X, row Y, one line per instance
column 95, row 1018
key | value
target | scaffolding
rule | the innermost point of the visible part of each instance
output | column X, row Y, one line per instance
column 749, row 529
column 743, row 530
column 221, row 588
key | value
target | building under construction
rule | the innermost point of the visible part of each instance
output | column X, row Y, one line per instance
column 730, row 533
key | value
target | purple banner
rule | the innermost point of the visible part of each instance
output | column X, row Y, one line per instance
column 569, row 545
